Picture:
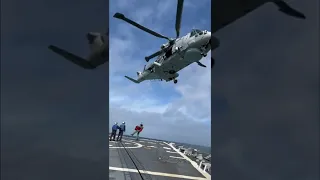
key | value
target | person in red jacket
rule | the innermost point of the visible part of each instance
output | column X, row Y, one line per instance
column 137, row 130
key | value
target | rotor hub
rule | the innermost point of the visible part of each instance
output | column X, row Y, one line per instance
column 171, row 40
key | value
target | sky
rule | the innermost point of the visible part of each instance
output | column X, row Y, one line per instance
column 168, row 111
column 54, row 115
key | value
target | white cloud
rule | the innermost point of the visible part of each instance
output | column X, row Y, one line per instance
column 178, row 112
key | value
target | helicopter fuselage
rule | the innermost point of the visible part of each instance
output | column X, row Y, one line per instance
column 184, row 51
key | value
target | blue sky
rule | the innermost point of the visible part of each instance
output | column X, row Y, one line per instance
column 167, row 110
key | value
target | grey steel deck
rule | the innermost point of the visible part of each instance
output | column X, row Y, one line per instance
column 148, row 155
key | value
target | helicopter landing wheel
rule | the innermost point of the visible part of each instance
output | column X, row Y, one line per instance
column 175, row 81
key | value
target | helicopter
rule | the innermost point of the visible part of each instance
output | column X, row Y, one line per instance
column 176, row 54
column 99, row 52
column 180, row 51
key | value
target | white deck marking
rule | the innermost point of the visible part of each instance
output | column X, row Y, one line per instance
column 110, row 145
column 121, row 147
column 171, row 152
column 161, row 144
column 155, row 173
column 127, row 143
column 177, row 157
column 166, row 148
column 151, row 146
column 149, row 140
column 194, row 164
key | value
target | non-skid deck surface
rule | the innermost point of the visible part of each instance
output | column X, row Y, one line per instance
column 155, row 160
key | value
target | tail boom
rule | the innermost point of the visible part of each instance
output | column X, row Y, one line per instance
column 133, row 80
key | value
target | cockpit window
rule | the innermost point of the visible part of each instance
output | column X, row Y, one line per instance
column 198, row 31
column 195, row 31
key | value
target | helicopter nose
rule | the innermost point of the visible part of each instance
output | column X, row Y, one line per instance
column 205, row 38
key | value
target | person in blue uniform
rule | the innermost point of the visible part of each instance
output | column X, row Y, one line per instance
column 115, row 127
column 122, row 129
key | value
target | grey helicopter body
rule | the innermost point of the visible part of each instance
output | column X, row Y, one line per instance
column 99, row 53
column 180, row 52
column 174, row 55
column 185, row 51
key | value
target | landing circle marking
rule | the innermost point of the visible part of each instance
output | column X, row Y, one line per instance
column 138, row 145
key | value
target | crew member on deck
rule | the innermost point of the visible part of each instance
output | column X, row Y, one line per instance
column 138, row 129
column 115, row 127
column 122, row 129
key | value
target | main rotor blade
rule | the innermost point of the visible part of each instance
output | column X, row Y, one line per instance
column 122, row 17
column 178, row 16
column 153, row 55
